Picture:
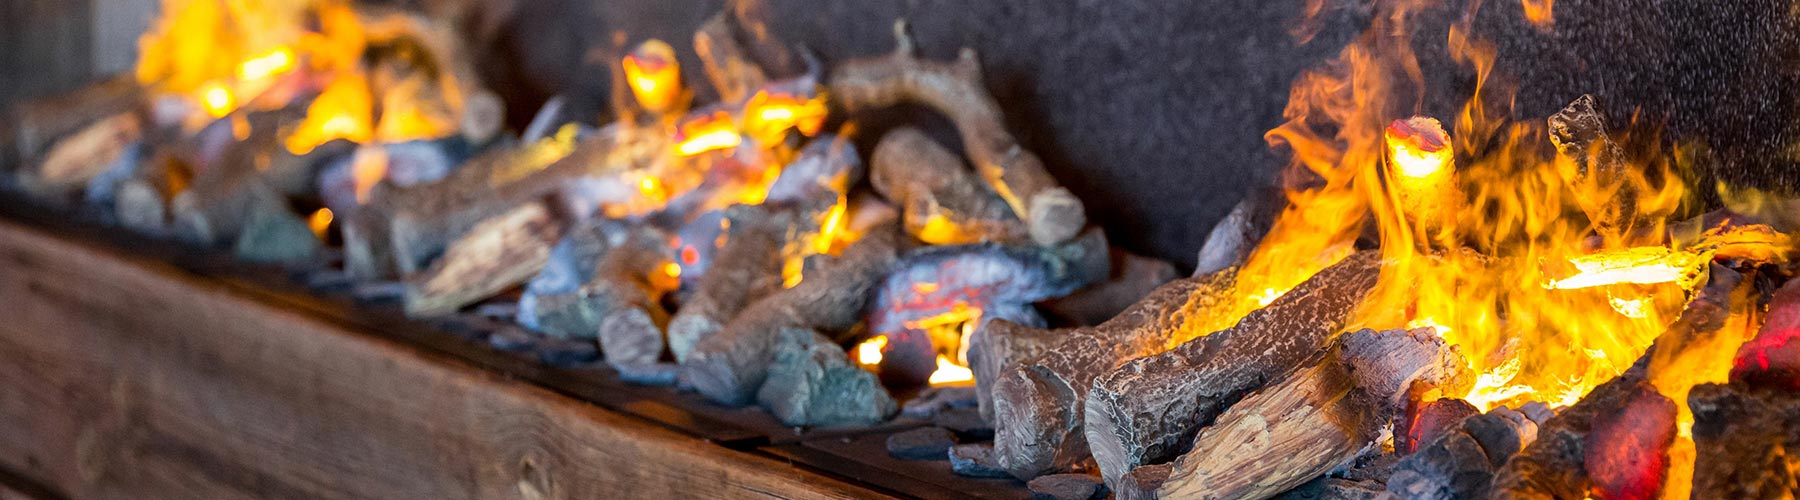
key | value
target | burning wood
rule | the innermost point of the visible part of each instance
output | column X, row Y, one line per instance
column 36, row 127
column 623, row 295
column 1746, row 438
column 948, row 289
column 733, row 73
column 1459, row 461
column 1314, row 420
column 1588, row 157
column 492, row 256
column 1772, row 358
column 556, row 300
column 1626, row 453
column 1234, row 237
column 1051, row 214
column 1140, row 413
column 1041, row 378
column 940, row 202
column 74, row 161
column 732, row 365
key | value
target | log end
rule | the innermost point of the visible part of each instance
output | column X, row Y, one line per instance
column 1056, row 216
column 631, row 337
column 1051, row 406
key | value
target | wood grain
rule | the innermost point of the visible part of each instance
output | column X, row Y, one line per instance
column 123, row 378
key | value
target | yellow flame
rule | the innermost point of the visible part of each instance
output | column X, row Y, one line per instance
column 320, row 222
column 1641, row 266
column 275, row 62
column 653, row 75
column 868, row 353
column 217, row 100
column 948, row 372
column 768, row 116
column 711, row 133
column 368, row 166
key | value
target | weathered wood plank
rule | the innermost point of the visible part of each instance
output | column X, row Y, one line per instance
column 130, row 379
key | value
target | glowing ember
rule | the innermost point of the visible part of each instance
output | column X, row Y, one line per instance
column 368, row 166
column 654, row 76
column 275, row 62
column 767, row 117
column 710, row 134
column 217, row 100
column 672, row 270
column 949, row 372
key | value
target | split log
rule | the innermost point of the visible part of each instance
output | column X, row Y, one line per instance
column 812, row 382
column 1553, row 465
column 1043, row 377
column 1051, row 213
column 1143, row 411
column 1313, row 421
column 1234, row 237
column 747, row 266
column 1460, row 462
column 623, row 293
column 496, row 254
column 77, row 159
column 1133, row 277
column 734, row 75
column 950, row 280
column 37, row 125
column 1596, row 167
column 1745, row 438
column 731, row 366
column 941, row 202
column 401, row 228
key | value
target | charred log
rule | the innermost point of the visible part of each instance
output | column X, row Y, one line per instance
column 1772, row 358
column 623, row 296
column 1745, row 438
column 748, row 265
column 734, row 75
column 1232, row 239
column 1589, row 158
column 1133, row 277
column 1143, row 411
column 813, row 383
column 1043, row 377
column 554, row 302
column 1460, row 461
column 77, row 159
column 1051, row 214
column 731, row 366
column 941, row 202
column 1313, row 421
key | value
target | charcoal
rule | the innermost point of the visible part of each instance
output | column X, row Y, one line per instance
column 512, row 340
column 924, row 443
column 975, row 460
column 813, row 383
column 966, row 422
column 1429, row 420
column 1745, row 438
column 1066, row 487
column 567, row 352
column 936, row 399
column 1627, row 450
column 1450, row 467
column 658, row 374
column 276, row 237
column 1772, row 358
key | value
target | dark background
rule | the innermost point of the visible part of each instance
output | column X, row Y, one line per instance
column 1152, row 111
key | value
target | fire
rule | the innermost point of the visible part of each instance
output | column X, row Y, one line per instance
column 1541, row 13
column 950, row 333
column 1473, row 220
column 275, row 62
column 868, row 353
column 948, row 372
column 320, row 222
column 768, row 116
column 653, row 75
column 217, row 100
column 712, row 133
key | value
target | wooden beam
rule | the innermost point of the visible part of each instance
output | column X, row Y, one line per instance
column 127, row 378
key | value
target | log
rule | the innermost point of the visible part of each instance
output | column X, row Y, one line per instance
column 1745, row 438
column 941, row 202
column 229, row 188
column 948, row 280
column 747, row 265
column 1589, row 161
column 734, row 75
column 77, row 159
column 1234, row 237
column 731, row 366
column 1626, row 454
column 1141, row 412
column 36, row 125
column 1314, row 420
column 1051, row 213
column 624, row 291
column 1460, row 462
column 400, row 228
column 496, row 254
column 553, row 302
column 824, row 170
column 1133, row 277
column 1043, row 377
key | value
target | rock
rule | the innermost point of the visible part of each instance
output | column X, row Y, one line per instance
column 276, row 237
column 936, row 399
column 813, row 383
column 976, row 460
column 567, row 353
column 925, row 443
column 966, row 422
column 1066, row 487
